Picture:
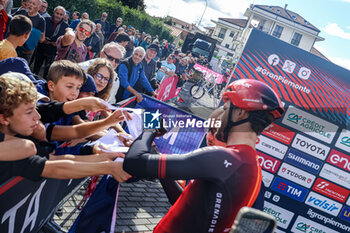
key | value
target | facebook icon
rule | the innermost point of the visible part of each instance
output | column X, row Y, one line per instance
column 151, row 120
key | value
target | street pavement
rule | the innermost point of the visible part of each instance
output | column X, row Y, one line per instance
column 141, row 205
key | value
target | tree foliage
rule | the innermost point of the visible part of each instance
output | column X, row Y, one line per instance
column 131, row 16
column 135, row 4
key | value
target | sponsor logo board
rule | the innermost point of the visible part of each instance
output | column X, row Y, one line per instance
column 345, row 214
column 296, row 175
column 268, row 163
column 283, row 216
column 348, row 201
column 289, row 189
column 323, row 203
column 279, row 133
column 339, row 159
column 303, row 161
column 302, row 224
column 328, row 220
column 310, row 124
column 271, row 147
column 336, row 175
column 267, row 178
column 310, row 147
column 343, row 142
column 330, row 190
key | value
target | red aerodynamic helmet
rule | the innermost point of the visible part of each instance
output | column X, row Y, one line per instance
column 254, row 95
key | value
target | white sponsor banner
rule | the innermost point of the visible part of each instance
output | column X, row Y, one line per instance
column 282, row 216
column 296, row 175
column 310, row 147
column 271, row 147
column 310, row 124
column 343, row 141
column 267, row 178
column 348, row 201
column 306, row 225
column 336, row 175
column 323, row 203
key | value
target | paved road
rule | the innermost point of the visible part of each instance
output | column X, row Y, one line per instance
column 141, row 205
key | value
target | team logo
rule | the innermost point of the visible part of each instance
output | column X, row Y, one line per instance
column 302, row 224
column 151, row 120
column 273, row 60
column 283, row 216
column 288, row 66
column 345, row 141
column 302, row 227
column 289, row 189
column 345, row 214
column 339, row 159
column 294, row 118
column 304, row 73
column 323, row 203
column 331, row 190
column 296, row 175
column 303, row 161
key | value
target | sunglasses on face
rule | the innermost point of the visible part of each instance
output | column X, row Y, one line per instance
column 116, row 60
column 102, row 78
column 86, row 32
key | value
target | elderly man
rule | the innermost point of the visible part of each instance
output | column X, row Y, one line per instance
column 38, row 30
column 104, row 23
column 71, row 45
column 112, row 52
column 149, row 65
column 117, row 25
column 43, row 9
column 130, row 72
column 46, row 51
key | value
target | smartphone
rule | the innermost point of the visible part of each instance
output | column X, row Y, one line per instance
column 253, row 221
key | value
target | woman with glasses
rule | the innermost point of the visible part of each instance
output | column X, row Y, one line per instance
column 102, row 72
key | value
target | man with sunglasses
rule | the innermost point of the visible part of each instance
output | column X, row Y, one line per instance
column 112, row 52
column 71, row 45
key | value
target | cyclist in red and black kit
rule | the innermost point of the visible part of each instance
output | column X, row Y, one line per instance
column 226, row 179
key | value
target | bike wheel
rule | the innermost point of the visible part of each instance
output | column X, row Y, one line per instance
column 196, row 91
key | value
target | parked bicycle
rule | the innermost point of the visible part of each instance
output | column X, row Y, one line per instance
column 208, row 84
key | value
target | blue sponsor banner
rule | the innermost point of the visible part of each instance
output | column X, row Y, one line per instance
column 185, row 131
column 289, row 189
column 345, row 214
column 303, row 161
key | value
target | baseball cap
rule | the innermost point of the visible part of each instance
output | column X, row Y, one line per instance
column 22, row 77
column 89, row 85
column 154, row 47
column 16, row 64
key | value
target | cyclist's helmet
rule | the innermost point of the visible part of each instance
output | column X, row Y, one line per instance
column 254, row 95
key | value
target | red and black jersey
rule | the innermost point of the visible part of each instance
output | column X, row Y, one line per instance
column 226, row 179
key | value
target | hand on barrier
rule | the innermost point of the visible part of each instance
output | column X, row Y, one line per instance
column 118, row 173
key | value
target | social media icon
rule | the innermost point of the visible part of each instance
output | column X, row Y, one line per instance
column 268, row 194
column 273, row 60
column 288, row 66
column 304, row 73
column 276, row 198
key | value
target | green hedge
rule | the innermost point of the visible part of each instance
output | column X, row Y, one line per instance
column 138, row 19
